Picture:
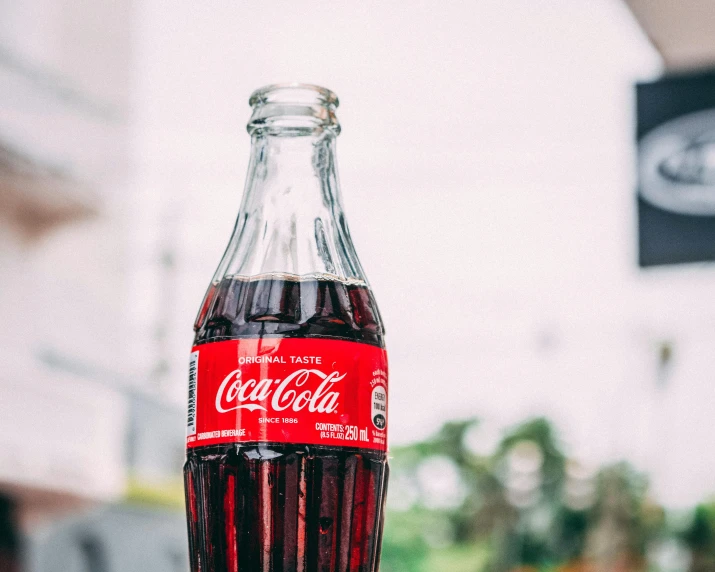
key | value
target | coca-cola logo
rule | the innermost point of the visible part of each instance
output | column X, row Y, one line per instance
column 293, row 392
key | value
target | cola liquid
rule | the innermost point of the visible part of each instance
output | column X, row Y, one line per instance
column 289, row 306
column 286, row 463
column 277, row 507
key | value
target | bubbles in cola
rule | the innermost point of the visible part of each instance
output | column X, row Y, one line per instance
column 286, row 465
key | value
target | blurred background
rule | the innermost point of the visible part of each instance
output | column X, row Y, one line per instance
column 552, row 390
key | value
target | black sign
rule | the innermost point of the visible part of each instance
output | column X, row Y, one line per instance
column 676, row 169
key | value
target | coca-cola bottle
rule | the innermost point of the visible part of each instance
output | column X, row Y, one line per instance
column 286, row 465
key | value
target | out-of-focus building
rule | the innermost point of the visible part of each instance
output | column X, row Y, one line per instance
column 63, row 160
column 82, row 421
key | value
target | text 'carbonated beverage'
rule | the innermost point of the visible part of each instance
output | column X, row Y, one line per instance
column 286, row 466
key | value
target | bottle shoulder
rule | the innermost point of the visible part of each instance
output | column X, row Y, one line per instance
column 291, row 307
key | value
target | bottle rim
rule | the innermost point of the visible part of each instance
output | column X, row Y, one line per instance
column 288, row 109
column 294, row 94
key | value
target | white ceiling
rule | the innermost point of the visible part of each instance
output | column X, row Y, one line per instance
column 682, row 30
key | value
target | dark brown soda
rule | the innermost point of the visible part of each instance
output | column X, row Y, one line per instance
column 272, row 507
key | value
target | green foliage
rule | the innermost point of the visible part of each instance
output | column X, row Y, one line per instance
column 404, row 548
column 458, row 558
column 525, row 507
column 700, row 538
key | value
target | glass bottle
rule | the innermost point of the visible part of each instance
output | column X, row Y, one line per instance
column 286, row 444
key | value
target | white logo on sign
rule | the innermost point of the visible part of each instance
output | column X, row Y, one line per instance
column 677, row 165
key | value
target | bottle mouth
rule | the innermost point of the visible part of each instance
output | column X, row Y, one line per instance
column 294, row 93
column 293, row 109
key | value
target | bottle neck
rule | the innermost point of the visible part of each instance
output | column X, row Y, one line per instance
column 291, row 219
column 290, row 174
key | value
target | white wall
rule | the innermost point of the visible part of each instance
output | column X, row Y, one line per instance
column 487, row 166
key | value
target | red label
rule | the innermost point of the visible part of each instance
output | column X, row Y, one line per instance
column 288, row 390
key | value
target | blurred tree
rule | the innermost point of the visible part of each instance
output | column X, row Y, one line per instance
column 700, row 539
column 615, row 540
column 527, row 507
column 404, row 549
column 572, row 526
column 531, row 467
column 553, row 462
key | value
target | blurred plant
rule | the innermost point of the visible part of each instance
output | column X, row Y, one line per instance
column 699, row 537
column 522, row 505
column 616, row 536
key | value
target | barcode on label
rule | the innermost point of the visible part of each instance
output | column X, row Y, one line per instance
column 191, row 417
